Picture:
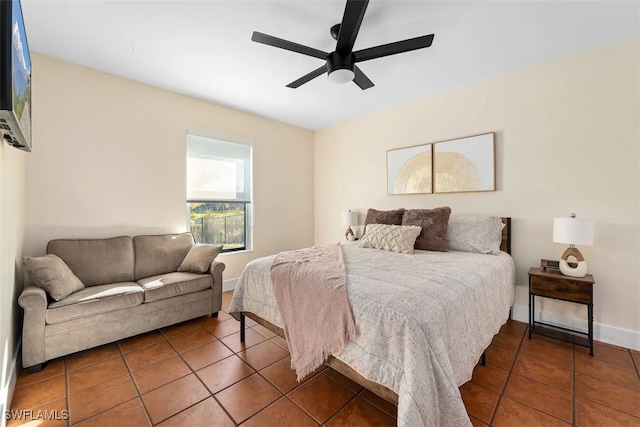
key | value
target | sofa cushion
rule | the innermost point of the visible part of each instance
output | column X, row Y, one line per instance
column 159, row 254
column 50, row 273
column 172, row 284
column 199, row 258
column 96, row 261
column 94, row 300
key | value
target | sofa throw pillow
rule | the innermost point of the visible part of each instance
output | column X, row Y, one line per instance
column 396, row 238
column 50, row 273
column 433, row 222
column 199, row 258
column 475, row 233
column 374, row 216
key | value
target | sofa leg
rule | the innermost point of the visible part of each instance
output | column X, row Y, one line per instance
column 483, row 359
column 214, row 314
column 35, row 368
column 241, row 327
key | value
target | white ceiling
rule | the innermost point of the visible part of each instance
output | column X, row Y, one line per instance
column 204, row 49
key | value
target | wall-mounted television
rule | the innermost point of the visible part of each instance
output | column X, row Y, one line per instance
column 15, row 77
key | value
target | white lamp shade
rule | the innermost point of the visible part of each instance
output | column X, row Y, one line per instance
column 349, row 218
column 572, row 231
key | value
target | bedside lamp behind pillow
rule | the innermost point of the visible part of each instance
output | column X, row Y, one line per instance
column 573, row 232
column 349, row 219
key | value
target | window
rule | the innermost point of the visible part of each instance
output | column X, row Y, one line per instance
column 219, row 192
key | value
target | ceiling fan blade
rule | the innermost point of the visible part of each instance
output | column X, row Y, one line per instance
column 351, row 20
column 308, row 77
column 361, row 79
column 393, row 48
column 287, row 45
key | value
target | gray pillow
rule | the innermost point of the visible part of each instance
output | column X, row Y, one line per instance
column 199, row 258
column 475, row 233
column 50, row 273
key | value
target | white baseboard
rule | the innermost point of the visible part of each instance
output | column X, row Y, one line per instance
column 602, row 333
column 229, row 284
column 9, row 388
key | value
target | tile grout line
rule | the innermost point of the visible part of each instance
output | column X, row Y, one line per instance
column 196, row 376
column 330, row 379
column 66, row 390
column 519, row 401
column 135, row 385
column 506, row 381
column 213, row 395
column 374, row 404
column 573, row 388
column 633, row 360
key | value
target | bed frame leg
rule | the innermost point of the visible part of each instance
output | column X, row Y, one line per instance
column 241, row 327
column 511, row 313
column 483, row 358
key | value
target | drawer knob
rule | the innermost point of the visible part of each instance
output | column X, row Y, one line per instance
column 561, row 288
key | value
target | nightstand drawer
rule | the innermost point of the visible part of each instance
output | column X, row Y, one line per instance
column 565, row 289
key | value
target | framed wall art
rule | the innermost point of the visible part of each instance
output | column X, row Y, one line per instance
column 465, row 164
column 409, row 170
column 454, row 166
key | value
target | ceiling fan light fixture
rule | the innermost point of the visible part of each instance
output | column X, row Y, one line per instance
column 341, row 76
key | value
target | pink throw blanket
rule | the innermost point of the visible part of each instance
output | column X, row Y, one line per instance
column 310, row 286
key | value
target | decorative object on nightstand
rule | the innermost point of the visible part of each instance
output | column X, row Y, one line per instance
column 552, row 284
column 349, row 219
column 573, row 232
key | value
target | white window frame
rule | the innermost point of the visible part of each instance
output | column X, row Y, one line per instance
column 221, row 149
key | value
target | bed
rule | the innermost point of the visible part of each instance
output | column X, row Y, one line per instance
column 423, row 321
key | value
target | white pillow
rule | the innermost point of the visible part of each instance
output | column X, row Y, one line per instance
column 475, row 233
column 396, row 238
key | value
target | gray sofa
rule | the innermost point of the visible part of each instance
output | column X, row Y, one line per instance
column 131, row 286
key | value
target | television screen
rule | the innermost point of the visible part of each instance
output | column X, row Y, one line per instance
column 15, row 77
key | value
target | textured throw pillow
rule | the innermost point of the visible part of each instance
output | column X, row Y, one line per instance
column 383, row 217
column 199, row 258
column 50, row 273
column 396, row 238
column 433, row 222
column 475, row 233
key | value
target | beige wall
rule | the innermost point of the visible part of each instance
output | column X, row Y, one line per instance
column 12, row 229
column 109, row 159
column 567, row 141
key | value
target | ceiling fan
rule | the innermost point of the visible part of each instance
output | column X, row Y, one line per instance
column 341, row 64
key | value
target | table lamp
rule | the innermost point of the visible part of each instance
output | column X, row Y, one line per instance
column 349, row 219
column 573, row 232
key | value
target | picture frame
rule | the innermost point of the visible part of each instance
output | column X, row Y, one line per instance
column 458, row 165
column 409, row 170
column 465, row 164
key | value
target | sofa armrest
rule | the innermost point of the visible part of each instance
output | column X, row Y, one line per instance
column 216, row 270
column 34, row 302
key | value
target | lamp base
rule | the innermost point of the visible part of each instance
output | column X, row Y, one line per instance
column 349, row 234
column 580, row 270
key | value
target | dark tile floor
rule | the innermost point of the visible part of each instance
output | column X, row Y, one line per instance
column 199, row 374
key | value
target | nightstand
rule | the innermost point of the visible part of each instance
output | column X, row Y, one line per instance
column 553, row 284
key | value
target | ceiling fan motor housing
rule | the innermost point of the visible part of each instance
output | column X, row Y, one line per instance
column 340, row 61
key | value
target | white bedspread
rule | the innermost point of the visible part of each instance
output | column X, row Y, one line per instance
column 422, row 320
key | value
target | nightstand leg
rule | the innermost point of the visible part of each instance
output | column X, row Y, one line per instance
column 590, row 310
column 531, row 315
